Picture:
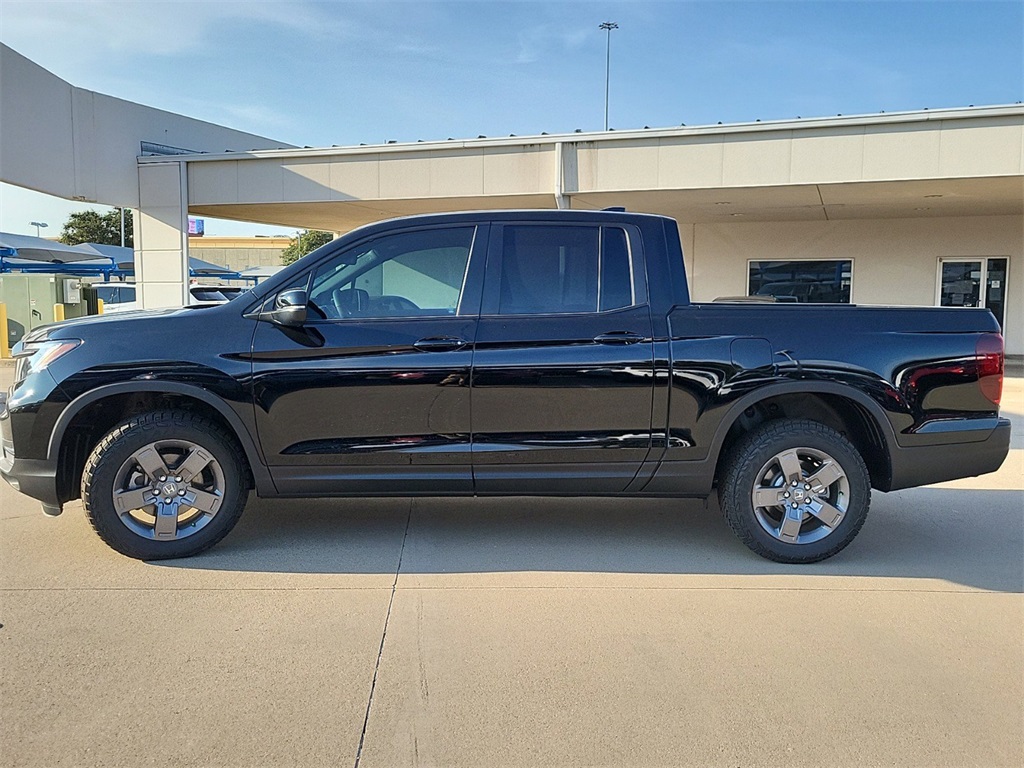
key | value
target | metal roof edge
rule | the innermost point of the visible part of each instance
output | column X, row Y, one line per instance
column 798, row 124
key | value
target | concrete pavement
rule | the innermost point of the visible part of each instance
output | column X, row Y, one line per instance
column 521, row 632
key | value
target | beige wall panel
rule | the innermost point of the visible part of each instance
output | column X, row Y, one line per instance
column 586, row 166
column 968, row 150
column 355, row 178
column 305, row 181
column 405, row 175
column 239, row 258
column 749, row 162
column 901, row 152
column 83, row 128
column 515, row 171
column 690, row 163
column 829, row 155
column 632, row 165
column 37, row 152
column 260, row 181
column 75, row 143
column 161, row 247
column 895, row 260
column 163, row 266
column 157, row 295
column 455, row 174
column 160, row 228
column 215, row 183
column 160, row 185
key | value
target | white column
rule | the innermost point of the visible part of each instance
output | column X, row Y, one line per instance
column 161, row 235
column 566, row 174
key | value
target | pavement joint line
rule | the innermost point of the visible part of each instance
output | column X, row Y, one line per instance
column 383, row 636
column 550, row 588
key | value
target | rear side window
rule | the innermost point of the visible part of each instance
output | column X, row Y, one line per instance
column 564, row 269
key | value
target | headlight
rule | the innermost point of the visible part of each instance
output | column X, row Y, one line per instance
column 34, row 356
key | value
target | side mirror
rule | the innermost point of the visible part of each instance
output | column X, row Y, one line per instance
column 289, row 308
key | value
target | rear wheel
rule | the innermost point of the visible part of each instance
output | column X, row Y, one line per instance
column 164, row 484
column 795, row 491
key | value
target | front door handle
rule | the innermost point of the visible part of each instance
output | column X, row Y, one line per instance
column 440, row 344
column 619, row 337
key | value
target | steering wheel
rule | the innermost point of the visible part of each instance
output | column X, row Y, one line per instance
column 389, row 304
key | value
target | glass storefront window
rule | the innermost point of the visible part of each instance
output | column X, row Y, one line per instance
column 974, row 283
column 811, row 282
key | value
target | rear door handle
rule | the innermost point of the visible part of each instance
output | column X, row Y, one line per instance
column 619, row 337
column 440, row 344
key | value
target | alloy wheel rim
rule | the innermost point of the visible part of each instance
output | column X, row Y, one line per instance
column 800, row 495
column 168, row 490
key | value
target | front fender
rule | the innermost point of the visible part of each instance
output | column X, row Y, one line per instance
column 261, row 476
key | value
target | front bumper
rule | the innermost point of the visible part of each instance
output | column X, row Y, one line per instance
column 33, row 477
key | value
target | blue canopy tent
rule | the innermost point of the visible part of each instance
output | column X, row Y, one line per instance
column 25, row 253
column 125, row 259
column 200, row 268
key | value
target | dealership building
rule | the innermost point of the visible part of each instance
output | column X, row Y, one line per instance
column 911, row 208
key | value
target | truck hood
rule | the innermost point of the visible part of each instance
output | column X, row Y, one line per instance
column 70, row 329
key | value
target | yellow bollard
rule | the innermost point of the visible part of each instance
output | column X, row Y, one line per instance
column 4, row 332
column 99, row 306
column 58, row 313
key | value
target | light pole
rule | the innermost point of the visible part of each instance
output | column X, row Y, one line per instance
column 608, row 26
column 37, row 225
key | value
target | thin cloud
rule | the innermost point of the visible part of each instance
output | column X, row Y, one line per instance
column 96, row 29
column 546, row 41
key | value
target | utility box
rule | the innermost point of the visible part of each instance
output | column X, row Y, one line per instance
column 30, row 299
column 72, row 291
column 72, row 296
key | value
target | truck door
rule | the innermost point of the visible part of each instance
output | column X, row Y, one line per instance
column 563, row 366
column 371, row 394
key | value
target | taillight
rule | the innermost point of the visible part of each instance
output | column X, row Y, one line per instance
column 990, row 365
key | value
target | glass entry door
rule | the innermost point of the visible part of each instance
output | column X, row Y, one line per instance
column 974, row 283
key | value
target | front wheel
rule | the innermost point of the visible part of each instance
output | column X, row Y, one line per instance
column 164, row 484
column 795, row 491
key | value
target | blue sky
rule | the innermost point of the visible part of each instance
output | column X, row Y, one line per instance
column 318, row 74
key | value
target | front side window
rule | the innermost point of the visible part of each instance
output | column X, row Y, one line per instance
column 807, row 282
column 403, row 275
column 564, row 269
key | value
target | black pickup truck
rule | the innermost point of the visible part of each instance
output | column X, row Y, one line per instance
column 500, row 353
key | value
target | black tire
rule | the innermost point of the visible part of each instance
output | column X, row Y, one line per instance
column 754, row 469
column 113, row 467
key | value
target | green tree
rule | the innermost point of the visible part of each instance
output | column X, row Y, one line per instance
column 95, row 227
column 307, row 241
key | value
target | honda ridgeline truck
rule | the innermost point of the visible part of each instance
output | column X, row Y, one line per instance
column 500, row 353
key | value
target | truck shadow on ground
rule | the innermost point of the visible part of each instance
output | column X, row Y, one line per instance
column 969, row 537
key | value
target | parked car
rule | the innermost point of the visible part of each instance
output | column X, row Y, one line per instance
column 213, row 293
column 117, row 296
column 121, row 296
column 501, row 353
